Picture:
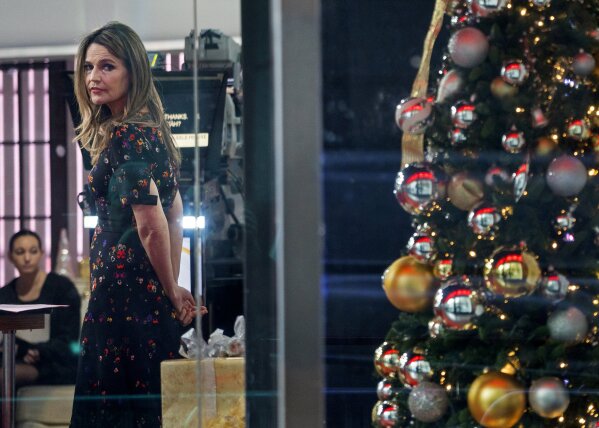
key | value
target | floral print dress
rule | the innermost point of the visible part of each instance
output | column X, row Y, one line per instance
column 130, row 325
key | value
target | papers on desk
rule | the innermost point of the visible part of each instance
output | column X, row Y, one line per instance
column 27, row 308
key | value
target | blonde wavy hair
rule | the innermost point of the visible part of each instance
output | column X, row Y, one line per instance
column 96, row 120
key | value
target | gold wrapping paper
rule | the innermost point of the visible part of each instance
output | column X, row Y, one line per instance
column 412, row 146
column 222, row 393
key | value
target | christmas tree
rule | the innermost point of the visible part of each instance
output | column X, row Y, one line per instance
column 497, row 289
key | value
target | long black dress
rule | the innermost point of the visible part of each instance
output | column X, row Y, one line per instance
column 58, row 356
column 130, row 326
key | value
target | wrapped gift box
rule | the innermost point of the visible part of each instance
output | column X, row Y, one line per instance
column 221, row 393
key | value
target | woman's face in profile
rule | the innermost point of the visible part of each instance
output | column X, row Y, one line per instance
column 106, row 78
column 26, row 254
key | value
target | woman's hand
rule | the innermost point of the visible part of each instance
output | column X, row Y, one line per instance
column 185, row 305
column 32, row 356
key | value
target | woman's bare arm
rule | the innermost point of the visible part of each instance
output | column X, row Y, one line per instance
column 153, row 229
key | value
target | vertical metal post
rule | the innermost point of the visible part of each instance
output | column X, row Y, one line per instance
column 295, row 28
column 197, row 247
column 8, row 385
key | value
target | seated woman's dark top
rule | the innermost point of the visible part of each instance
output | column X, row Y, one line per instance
column 58, row 356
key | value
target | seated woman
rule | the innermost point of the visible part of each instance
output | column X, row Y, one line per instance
column 53, row 361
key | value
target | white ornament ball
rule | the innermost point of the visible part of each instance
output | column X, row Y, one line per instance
column 548, row 397
column 414, row 115
column 428, row 402
column 568, row 325
column 450, row 84
column 468, row 47
column 566, row 175
column 584, row 64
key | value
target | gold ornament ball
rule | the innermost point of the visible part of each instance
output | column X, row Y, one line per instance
column 545, row 146
column 409, row 285
column 496, row 400
column 511, row 272
column 501, row 89
column 465, row 191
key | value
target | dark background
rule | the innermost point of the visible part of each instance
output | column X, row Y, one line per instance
column 370, row 54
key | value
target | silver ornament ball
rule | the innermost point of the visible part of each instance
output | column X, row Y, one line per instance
column 458, row 305
column 520, row 180
column 579, row 129
column 548, row 397
column 554, row 286
column 388, row 389
column 421, row 246
column 463, row 113
column 416, row 187
column 514, row 72
column 513, row 141
column 386, row 360
column 414, row 368
column 386, row 414
column 483, row 219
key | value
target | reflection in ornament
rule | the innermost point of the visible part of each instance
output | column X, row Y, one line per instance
column 520, row 180
column 579, row 129
column 457, row 136
column 386, row 360
column 554, row 286
column 443, row 268
column 496, row 177
column 388, row 389
column 513, row 141
column 548, row 397
column 564, row 224
column 422, row 246
column 511, row 272
column 414, row 368
column 514, row 72
column 414, row 115
column 483, row 8
column 457, row 305
column 483, row 219
column 463, row 114
column 386, row 414
column 436, row 327
column 416, row 187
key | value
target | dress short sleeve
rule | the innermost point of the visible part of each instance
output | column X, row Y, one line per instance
column 134, row 165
